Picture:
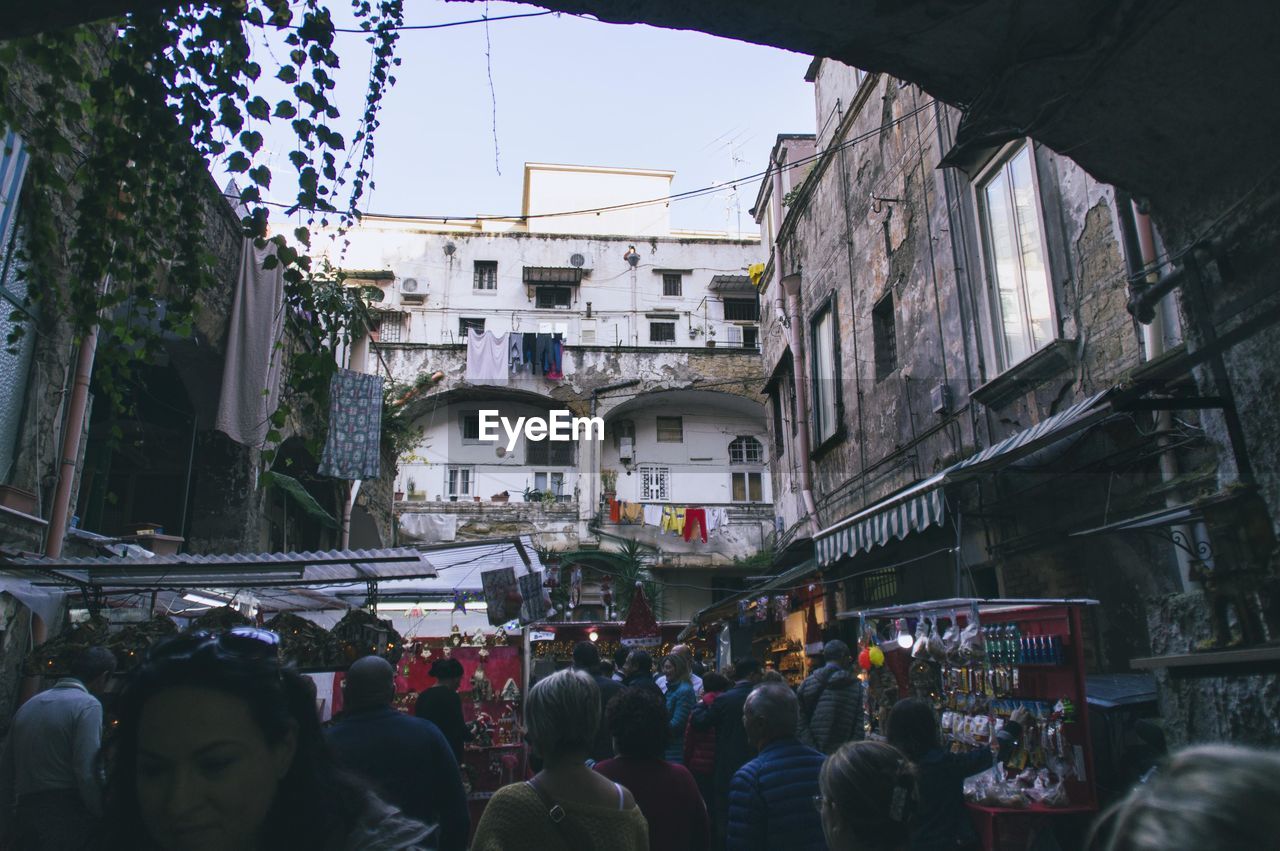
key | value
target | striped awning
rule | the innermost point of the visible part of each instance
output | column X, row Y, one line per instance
column 913, row 510
column 923, row 505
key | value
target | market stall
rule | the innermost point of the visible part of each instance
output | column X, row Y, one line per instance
column 977, row 661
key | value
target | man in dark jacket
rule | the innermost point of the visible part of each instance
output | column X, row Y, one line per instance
column 771, row 797
column 587, row 659
column 408, row 760
column 831, row 701
column 638, row 672
column 732, row 748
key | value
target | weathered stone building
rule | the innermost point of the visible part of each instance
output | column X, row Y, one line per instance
column 660, row 332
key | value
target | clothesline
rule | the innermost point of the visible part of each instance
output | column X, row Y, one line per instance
column 680, row 520
column 492, row 357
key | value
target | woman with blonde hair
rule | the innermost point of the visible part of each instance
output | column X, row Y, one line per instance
column 1205, row 798
column 566, row 806
column 680, row 699
column 867, row 797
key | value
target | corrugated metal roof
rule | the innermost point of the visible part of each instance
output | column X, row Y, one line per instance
column 238, row 570
column 459, row 566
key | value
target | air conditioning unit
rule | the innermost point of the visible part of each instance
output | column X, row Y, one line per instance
column 410, row 292
column 626, row 449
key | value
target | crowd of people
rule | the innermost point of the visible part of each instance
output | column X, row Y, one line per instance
column 214, row 745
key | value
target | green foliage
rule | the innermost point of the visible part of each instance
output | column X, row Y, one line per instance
column 120, row 122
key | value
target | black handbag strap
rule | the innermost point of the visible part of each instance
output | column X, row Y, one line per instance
column 572, row 832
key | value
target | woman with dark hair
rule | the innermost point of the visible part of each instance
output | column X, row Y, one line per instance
column 441, row 705
column 941, row 823
column 219, row 748
column 868, row 796
column 665, row 793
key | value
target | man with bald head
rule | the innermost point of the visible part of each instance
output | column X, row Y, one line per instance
column 771, row 797
column 407, row 760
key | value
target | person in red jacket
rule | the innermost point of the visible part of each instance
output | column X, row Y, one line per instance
column 700, row 745
column 664, row 792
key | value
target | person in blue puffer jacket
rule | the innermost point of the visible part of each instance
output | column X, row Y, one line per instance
column 771, row 797
column 680, row 700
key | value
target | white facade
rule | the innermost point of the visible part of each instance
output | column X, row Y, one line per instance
column 660, row 341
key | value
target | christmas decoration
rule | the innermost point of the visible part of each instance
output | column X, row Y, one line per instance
column 510, row 691
column 132, row 643
column 53, row 658
column 864, row 659
column 361, row 633
column 641, row 627
column 460, row 602
column 302, row 642
column 876, row 655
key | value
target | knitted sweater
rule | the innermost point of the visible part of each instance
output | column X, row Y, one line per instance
column 771, row 800
column 515, row 819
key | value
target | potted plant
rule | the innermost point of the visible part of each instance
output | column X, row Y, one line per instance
column 609, row 483
column 477, row 498
column 531, row 495
column 501, row 497
column 414, row 495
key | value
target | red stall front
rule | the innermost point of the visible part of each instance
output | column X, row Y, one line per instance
column 977, row 661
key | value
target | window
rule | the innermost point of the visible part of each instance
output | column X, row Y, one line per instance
column 671, row 283
column 750, row 336
column 778, row 445
column 746, row 450
column 550, row 453
column 466, row 324
column 548, row 480
column 825, row 348
column 554, row 297
column 671, row 429
column 1017, row 270
column 390, row 327
column 741, row 310
column 884, row 336
column 460, row 481
column 486, row 275
column 470, row 428
column 662, row 332
column 655, row 484
column 748, row 487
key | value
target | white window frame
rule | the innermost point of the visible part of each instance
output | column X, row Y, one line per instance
column 825, row 375
column 550, row 478
column 999, row 345
column 655, row 483
column 460, row 480
column 484, row 276
column 743, row 443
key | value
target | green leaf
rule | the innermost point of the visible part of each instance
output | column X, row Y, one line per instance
column 251, row 140
column 287, row 74
column 258, row 108
column 237, row 162
column 285, row 109
column 261, row 176
column 299, row 494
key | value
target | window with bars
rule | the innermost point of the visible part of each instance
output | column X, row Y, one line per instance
column 662, row 332
column 485, row 275
column 748, row 487
column 746, row 450
column 550, row 453
column 741, row 310
column 391, row 327
column 470, row 428
column 466, row 324
column 655, row 484
column 554, row 297
column 671, row 429
column 672, row 283
column 461, row 480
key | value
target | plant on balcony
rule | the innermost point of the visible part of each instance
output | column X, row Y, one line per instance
column 609, row 482
column 549, row 497
column 501, row 497
column 531, row 495
column 414, row 494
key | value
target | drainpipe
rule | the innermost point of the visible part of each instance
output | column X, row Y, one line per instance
column 593, row 480
column 72, row 430
column 1135, row 227
column 791, row 290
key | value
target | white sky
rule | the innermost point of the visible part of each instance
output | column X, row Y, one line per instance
column 568, row 90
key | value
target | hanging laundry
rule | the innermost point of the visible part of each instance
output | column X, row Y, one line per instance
column 716, row 517
column 351, row 449
column 556, row 351
column 515, row 351
column 615, row 510
column 529, row 348
column 487, row 357
column 542, row 354
column 695, row 517
column 652, row 514
column 673, row 519
column 632, row 512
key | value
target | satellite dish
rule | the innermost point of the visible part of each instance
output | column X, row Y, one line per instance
column 577, row 260
column 409, row 285
column 501, row 451
column 449, row 248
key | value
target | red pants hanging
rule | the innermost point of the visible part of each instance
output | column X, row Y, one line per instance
column 695, row 515
column 615, row 510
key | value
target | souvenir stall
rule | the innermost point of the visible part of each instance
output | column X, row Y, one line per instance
column 977, row 661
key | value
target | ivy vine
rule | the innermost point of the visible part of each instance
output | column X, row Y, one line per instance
column 122, row 119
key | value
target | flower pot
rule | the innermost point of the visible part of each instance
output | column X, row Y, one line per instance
column 399, row 496
column 18, row 499
column 477, row 499
column 500, row 497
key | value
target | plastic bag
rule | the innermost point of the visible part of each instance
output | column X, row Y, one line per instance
column 951, row 638
column 937, row 649
column 920, row 647
column 971, row 646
